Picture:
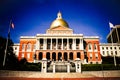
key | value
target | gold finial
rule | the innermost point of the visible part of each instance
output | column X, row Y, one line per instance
column 59, row 15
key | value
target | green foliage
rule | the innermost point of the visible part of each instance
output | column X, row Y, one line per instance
column 11, row 60
column 91, row 67
column 98, row 67
column 110, row 67
column 30, row 67
column 110, row 60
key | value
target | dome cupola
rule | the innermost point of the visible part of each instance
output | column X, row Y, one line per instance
column 59, row 22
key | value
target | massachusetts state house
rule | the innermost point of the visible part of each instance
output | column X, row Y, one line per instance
column 59, row 43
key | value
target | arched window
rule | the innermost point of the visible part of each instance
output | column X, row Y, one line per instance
column 95, row 46
column 89, row 46
column 65, row 56
column 23, row 46
column 71, row 55
column 48, row 55
column 54, row 56
column 59, row 56
column 29, row 46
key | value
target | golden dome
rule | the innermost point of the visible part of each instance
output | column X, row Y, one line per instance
column 59, row 22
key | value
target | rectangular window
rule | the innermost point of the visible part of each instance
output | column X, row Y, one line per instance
column 96, row 57
column 90, row 57
column 23, row 46
column 111, row 52
column 107, row 52
column 114, row 47
column 28, row 46
column 90, row 62
column 102, row 48
column 103, row 53
column 15, row 48
column 89, row 46
column 28, row 55
column 22, row 55
column 115, row 52
column 111, row 48
column 95, row 46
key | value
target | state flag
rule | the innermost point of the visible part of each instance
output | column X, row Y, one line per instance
column 12, row 25
column 111, row 25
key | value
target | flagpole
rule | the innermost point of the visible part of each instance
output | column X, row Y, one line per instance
column 117, row 34
column 112, row 47
column 6, row 44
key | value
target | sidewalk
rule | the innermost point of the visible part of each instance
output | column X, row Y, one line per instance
column 33, row 74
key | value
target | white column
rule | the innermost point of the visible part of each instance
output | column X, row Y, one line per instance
column 67, row 43
column 75, row 43
column 68, row 67
column 44, row 43
column 51, row 44
column 53, row 67
column 62, row 43
column 56, row 44
column 37, row 44
column 81, row 44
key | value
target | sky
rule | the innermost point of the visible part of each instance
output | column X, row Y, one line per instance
column 31, row 17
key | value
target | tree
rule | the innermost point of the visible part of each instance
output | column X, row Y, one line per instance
column 11, row 60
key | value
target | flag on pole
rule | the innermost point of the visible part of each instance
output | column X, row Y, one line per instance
column 111, row 25
column 12, row 25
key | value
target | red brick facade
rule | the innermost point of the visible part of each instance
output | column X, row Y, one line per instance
column 31, row 51
column 93, row 55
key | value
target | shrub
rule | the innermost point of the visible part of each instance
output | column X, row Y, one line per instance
column 30, row 67
column 98, row 67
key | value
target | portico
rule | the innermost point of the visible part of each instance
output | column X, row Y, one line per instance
column 56, row 47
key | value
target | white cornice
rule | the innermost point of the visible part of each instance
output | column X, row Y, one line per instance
column 109, row 44
column 28, row 37
column 90, row 37
column 79, row 35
